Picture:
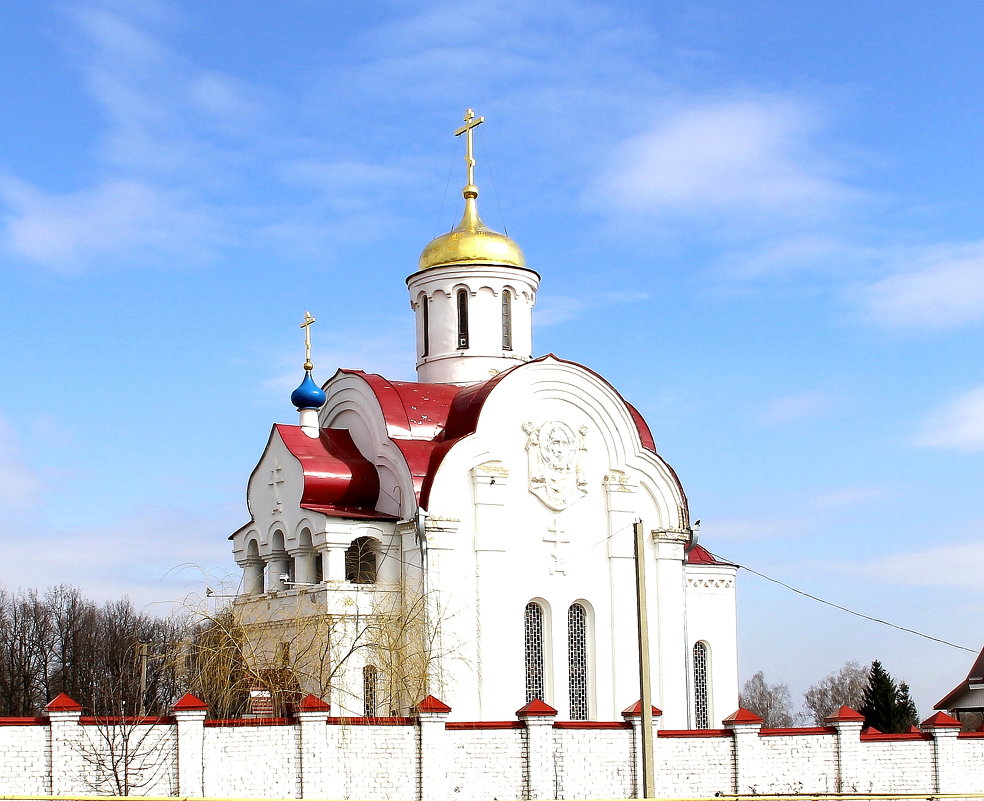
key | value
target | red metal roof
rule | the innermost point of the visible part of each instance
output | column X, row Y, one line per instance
column 424, row 421
column 699, row 555
column 975, row 676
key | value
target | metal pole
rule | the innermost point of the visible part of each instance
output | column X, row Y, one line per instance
column 646, row 719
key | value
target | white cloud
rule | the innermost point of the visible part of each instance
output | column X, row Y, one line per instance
column 956, row 565
column 958, row 424
column 20, row 486
column 846, row 497
column 743, row 156
column 940, row 287
column 556, row 309
column 790, row 408
column 115, row 218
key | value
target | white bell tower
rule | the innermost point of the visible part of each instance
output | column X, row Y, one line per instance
column 472, row 295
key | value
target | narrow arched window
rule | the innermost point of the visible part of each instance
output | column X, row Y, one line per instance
column 506, row 319
column 534, row 651
column 701, row 711
column 577, row 649
column 462, row 319
column 370, row 680
column 425, row 322
column 360, row 561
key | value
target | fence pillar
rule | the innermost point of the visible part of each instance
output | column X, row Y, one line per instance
column 433, row 753
column 946, row 766
column 312, row 717
column 848, row 724
column 745, row 726
column 63, row 731
column 541, row 778
column 190, row 712
column 633, row 715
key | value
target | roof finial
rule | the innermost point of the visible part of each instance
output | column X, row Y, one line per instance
column 471, row 123
column 306, row 325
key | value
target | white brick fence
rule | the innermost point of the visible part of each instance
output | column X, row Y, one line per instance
column 428, row 756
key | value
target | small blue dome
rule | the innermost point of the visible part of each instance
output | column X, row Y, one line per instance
column 308, row 395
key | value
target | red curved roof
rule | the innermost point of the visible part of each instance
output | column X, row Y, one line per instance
column 338, row 480
column 699, row 555
column 424, row 421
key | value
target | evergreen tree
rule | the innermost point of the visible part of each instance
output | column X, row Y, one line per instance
column 907, row 715
column 885, row 706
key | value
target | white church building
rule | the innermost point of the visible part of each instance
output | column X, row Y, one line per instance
column 497, row 496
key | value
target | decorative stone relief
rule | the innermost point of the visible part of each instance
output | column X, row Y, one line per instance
column 554, row 451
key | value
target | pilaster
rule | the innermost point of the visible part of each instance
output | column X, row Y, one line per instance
column 63, row 719
column 947, row 767
column 433, row 749
column 312, row 719
column 633, row 715
column 541, row 777
column 189, row 714
column 848, row 724
column 745, row 726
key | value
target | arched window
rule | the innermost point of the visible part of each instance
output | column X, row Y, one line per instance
column 701, row 709
column 360, row 561
column 534, row 652
column 462, row 299
column 506, row 319
column 577, row 649
column 370, row 678
column 425, row 322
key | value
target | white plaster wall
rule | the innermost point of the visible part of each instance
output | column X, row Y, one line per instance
column 24, row 757
column 378, row 762
column 596, row 763
column 711, row 618
column 251, row 761
column 693, row 766
column 485, row 763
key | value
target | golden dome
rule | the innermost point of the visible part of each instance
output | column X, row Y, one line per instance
column 471, row 242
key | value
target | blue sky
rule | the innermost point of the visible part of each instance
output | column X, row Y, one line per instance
column 760, row 221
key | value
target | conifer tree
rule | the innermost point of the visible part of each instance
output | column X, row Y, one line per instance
column 885, row 706
column 906, row 709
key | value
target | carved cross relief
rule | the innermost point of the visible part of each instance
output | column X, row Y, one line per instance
column 557, row 540
column 276, row 479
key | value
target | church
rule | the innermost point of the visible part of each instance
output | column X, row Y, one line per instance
column 469, row 535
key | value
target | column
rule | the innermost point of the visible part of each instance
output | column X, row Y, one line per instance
column 63, row 718
column 745, row 726
column 848, row 724
column 312, row 717
column 190, row 712
column 434, row 751
column 633, row 715
column 542, row 780
column 949, row 777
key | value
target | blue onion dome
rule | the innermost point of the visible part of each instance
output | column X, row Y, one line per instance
column 308, row 395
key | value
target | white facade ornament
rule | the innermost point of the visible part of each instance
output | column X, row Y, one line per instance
column 554, row 452
column 557, row 540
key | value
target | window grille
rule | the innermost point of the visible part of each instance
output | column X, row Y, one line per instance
column 577, row 648
column 369, row 681
column 534, row 652
column 701, row 715
column 506, row 319
column 462, row 319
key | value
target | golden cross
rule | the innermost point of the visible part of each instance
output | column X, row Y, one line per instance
column 306, row 325
column 471, row 122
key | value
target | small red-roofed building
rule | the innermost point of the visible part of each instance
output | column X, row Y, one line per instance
column 966, row 700
column 485, row 508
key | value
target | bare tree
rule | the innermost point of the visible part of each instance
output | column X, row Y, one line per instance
column 843, row 688
column 771, row 702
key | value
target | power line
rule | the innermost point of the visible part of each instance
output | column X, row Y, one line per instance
column 844, row 608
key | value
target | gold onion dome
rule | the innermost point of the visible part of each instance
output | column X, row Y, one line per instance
column 471, row 241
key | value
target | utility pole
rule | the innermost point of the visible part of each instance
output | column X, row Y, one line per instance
column 142, row 655
column 646, row 719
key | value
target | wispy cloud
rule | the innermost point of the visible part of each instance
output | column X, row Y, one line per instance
column 953, row 565
column 792, row 408
column 556, row 309
column 747, row 529
column 935, row 288
column 115, row 219
column 20, row 486
column 745, row 157
column 958, row 424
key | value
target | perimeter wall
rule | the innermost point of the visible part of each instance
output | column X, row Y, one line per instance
column 430, row 757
